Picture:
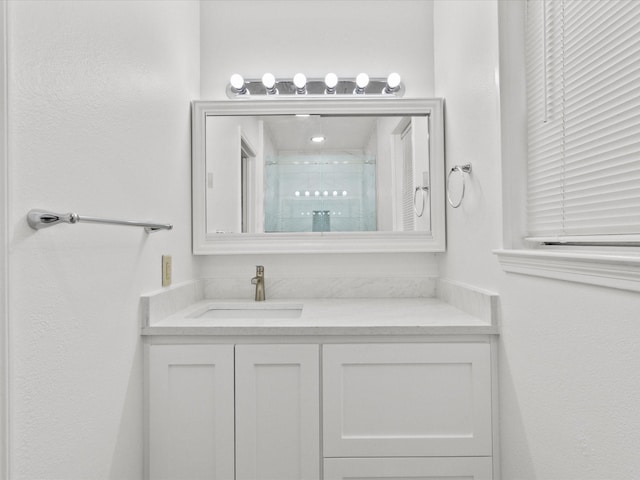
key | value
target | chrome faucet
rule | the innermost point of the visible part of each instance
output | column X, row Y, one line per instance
column 258, row 281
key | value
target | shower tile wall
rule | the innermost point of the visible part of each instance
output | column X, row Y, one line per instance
column 306, row 193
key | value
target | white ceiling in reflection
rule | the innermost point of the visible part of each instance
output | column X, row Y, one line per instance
column 293, row 133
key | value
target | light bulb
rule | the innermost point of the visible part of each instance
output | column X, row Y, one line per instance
column 331, row 81
column 362, row 80
column 269, row 82
column 393, row 83
column 393, row 80
column 236, row 81
column 237, row 84
column 300, row 82
column 318, row 139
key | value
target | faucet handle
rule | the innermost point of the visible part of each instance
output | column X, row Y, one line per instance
column 259, row 270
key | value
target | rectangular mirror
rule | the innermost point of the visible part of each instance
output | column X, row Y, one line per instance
column 318, row 175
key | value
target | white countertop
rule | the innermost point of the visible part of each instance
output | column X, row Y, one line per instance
column 365, row 316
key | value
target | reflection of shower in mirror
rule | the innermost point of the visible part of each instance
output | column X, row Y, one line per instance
column 366, row 167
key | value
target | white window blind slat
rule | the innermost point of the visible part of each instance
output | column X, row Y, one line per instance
column 579, row 84
column 592, row 31
column 583, row 96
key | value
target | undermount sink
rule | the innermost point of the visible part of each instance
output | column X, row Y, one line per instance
column 249, row 311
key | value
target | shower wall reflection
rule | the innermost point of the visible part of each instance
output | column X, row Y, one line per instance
column 267, row 174
column 331, row 192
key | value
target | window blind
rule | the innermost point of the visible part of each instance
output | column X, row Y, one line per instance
column 583, row 98
column 408, row 220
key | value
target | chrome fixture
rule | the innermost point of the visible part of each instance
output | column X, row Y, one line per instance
column 38, row 219
column 258, row 281
column 462, row 170
column 424, row 192
column 239, row 87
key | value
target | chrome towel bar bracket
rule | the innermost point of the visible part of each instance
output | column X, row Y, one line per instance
column 38, row 219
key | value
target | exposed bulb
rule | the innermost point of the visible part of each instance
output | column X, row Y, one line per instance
column 237, row 84
column 393, row 83
column 393, row 80
column 269, row 82
column 331, row 81
column 362, row 80
column 300, row 82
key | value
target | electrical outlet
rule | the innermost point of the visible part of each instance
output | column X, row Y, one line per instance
column 166, row 270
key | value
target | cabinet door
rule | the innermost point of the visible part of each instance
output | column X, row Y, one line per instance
column 191, row 412
column 422, row 400
column 478, row 468
column 277, row 412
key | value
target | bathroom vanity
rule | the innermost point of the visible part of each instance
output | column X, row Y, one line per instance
column 325, row 387
column 320, row 388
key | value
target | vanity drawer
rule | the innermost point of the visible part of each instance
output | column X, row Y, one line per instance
column 469, row 468
column 407, row 400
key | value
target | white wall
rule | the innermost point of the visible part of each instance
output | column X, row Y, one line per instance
column 316, row 37
column 466, row 64
column 568, row 352
column 4, row 245
column 99, row 114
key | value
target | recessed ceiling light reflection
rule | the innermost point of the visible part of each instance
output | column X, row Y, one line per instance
column 318, row 138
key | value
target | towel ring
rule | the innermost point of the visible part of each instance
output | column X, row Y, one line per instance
column 462, row 169
column 425, row 192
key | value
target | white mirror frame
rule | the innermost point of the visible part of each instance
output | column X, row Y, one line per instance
column 316, row 242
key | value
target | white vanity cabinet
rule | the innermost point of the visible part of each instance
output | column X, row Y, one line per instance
column 277, row 412
column 407, row 410
column 190, row 412
column 257, row 419
column 320, row 408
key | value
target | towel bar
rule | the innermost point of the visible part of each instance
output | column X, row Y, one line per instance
column 38, row 219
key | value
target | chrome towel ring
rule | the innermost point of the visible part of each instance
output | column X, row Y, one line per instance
column 424, row 192
column 461, row 169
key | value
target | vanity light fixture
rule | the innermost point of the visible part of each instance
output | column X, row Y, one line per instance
column 330, row 81
column 300, row 82
column 237, row 85
column 393, row 83
column 362, row 80
column 240, row 88
column 269, row 82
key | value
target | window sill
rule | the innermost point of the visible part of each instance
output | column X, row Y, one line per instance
column 607, row 270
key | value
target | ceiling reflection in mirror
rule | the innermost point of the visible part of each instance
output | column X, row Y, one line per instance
column 317, row 173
